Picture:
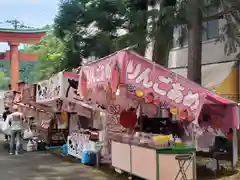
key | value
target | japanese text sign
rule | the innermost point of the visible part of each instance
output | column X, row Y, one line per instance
column 166, row 85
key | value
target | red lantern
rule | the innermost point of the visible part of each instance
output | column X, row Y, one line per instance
column 115, row 79
column 83, row 82
column 128, row 119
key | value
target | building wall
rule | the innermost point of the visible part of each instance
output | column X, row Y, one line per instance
column 212, row 52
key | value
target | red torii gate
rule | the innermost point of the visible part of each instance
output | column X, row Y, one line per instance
column 14, row 37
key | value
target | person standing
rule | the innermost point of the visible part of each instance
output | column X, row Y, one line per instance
column 4, row 115
column 16, row 122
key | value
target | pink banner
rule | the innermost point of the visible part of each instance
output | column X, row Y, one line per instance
column 99, row 72
column 167, row 87
column 140, row 74
column 99, row 82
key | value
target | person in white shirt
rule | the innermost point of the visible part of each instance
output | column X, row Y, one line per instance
column 16, row 122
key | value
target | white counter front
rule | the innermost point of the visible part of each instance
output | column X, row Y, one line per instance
column 149, row 163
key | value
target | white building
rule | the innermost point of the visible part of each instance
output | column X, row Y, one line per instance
column 217, row 66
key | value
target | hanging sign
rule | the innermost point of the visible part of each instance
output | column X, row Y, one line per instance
column 49, row 90
column 104, row 71
column 165, row 85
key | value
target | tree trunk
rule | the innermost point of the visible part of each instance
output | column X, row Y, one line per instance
column 195, row 42
column 164, row 37
column 139, row 29
column 161, row 52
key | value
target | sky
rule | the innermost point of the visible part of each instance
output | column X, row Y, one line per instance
column 33, row 13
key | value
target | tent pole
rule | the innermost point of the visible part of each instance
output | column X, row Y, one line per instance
column 235, row 148
column 141, row 117
column 194, row 141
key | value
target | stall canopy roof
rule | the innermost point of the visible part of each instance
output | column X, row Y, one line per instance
column 210, row 95
column 134, row 66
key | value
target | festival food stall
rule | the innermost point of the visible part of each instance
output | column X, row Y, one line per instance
column 73, row 120
column 141, row 100
column 24, row 99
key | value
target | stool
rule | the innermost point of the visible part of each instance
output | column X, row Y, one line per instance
column 182, row 160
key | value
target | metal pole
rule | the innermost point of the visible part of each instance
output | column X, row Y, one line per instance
column 194, row 154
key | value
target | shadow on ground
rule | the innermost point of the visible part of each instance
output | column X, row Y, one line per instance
column 44, row 166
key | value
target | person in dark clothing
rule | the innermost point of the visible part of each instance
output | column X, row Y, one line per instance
column 4, row 115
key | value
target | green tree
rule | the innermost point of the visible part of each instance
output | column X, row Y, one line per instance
column 4, row 81
column 163, row 21
column 90, row 28
column 95, row 25
column 50, row 51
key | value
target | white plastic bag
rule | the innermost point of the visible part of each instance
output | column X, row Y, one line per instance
column 31, row 146
column 212, row 165
column 27, row 134
column 6, row 128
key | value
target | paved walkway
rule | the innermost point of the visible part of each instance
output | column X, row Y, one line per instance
column 43, row 166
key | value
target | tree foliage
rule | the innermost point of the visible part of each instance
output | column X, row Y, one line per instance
column 4, row 81
column 97, row 28
column 50, row 60
column 190, row 15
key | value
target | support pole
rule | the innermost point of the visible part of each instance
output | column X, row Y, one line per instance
column 14, row 65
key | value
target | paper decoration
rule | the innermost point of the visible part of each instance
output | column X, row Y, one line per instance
column 131, row 87
column 173, row 110
column 113, row 112
column 183, row 115
column 139, row 93
column 164, row 105
column 115, row 79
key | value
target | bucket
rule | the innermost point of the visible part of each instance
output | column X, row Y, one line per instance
column 64, row 149
column 88, row 158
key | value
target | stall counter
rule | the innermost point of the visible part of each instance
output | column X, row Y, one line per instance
column 149, row 163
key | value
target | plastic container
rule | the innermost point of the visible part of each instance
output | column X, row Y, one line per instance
column 162, row 138
column 179, row 145
column 88, row 158
column 64, row 149
column 31, row 146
